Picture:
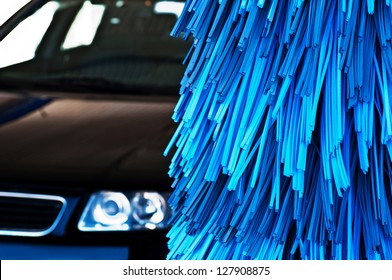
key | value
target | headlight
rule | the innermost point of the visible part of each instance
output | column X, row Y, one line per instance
column 116, row 211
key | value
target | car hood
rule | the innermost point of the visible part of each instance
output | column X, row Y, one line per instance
column 72, row 140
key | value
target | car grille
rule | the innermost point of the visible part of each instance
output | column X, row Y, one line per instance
column 24, row 214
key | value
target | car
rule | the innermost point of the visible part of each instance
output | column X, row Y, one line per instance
column 87, row 90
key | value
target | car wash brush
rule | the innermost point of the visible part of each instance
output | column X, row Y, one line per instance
column 284, row 143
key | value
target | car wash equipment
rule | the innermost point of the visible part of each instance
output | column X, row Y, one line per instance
column 284, row 143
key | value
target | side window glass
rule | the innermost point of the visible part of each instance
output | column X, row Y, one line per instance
column 20, row 45
column 84, row 27
column 169, row 7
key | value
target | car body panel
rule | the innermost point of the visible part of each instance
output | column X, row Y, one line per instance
column 71, row 140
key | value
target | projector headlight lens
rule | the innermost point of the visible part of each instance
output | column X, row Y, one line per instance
column 148, row 209
column 111, row 209
column 116, row 211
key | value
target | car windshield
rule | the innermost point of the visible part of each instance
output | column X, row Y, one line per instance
column 76, row 45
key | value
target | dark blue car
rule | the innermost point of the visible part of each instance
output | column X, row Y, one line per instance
column 87, row 89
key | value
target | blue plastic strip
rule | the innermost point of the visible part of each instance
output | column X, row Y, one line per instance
column 284, row 143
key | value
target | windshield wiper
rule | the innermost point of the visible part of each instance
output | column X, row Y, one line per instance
column 82, row 83
column 85, row 85
column 101, row 85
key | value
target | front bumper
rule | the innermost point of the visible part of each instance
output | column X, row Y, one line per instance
column 31, row 251
column 65, row 241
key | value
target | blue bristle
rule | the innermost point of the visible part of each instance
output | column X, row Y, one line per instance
column 284, row 143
